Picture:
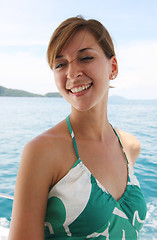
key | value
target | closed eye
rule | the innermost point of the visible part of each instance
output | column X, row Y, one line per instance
column 86, row 58
column 60, row 65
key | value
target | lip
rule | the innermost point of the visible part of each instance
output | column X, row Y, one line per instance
column 77, row 94
column 79, row 85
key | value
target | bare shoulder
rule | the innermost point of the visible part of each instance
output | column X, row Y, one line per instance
column 39, row 168
column 131, row 145
column 44, row 151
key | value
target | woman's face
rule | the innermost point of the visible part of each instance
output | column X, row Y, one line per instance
column 82, row 72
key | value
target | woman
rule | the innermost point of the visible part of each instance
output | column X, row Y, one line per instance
column 77, row 178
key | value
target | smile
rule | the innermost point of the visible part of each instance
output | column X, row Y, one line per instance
column 80, row 88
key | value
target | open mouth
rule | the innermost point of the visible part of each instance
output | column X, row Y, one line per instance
column 81, row 88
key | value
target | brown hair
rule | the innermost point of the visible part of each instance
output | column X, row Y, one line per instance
column 69, row 27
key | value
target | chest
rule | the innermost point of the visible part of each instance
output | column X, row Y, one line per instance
column 107, row 164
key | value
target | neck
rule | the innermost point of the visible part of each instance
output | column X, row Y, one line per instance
column 92, row 124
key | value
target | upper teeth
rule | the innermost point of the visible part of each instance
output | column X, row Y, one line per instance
column 81, row 88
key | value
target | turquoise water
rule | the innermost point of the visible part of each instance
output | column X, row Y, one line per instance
column 21, row 119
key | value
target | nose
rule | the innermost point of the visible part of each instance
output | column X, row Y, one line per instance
column 73, row 71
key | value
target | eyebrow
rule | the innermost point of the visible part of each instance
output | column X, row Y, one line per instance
column 80, row 51
column 84, row 49
column 59, row 56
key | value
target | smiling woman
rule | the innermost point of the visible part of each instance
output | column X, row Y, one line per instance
column 76, row 180
column 81, row 69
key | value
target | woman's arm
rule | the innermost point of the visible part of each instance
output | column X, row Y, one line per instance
column 33, row 181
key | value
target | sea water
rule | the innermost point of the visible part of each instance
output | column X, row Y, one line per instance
column 21, row 119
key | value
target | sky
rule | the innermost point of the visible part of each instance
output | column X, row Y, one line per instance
column 27, row 25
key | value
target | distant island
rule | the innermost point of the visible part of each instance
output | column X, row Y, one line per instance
column 8, row 92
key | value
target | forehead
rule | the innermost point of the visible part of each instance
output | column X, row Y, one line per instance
column 81, row 40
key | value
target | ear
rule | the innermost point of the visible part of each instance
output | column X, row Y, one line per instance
column 114, row 68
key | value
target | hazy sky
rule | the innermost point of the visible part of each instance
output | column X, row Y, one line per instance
column 27, row 25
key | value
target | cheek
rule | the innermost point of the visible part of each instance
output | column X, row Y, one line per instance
column 59, row 80
column 98, row 70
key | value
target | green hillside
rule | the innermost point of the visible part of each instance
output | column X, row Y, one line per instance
column 8, row 92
